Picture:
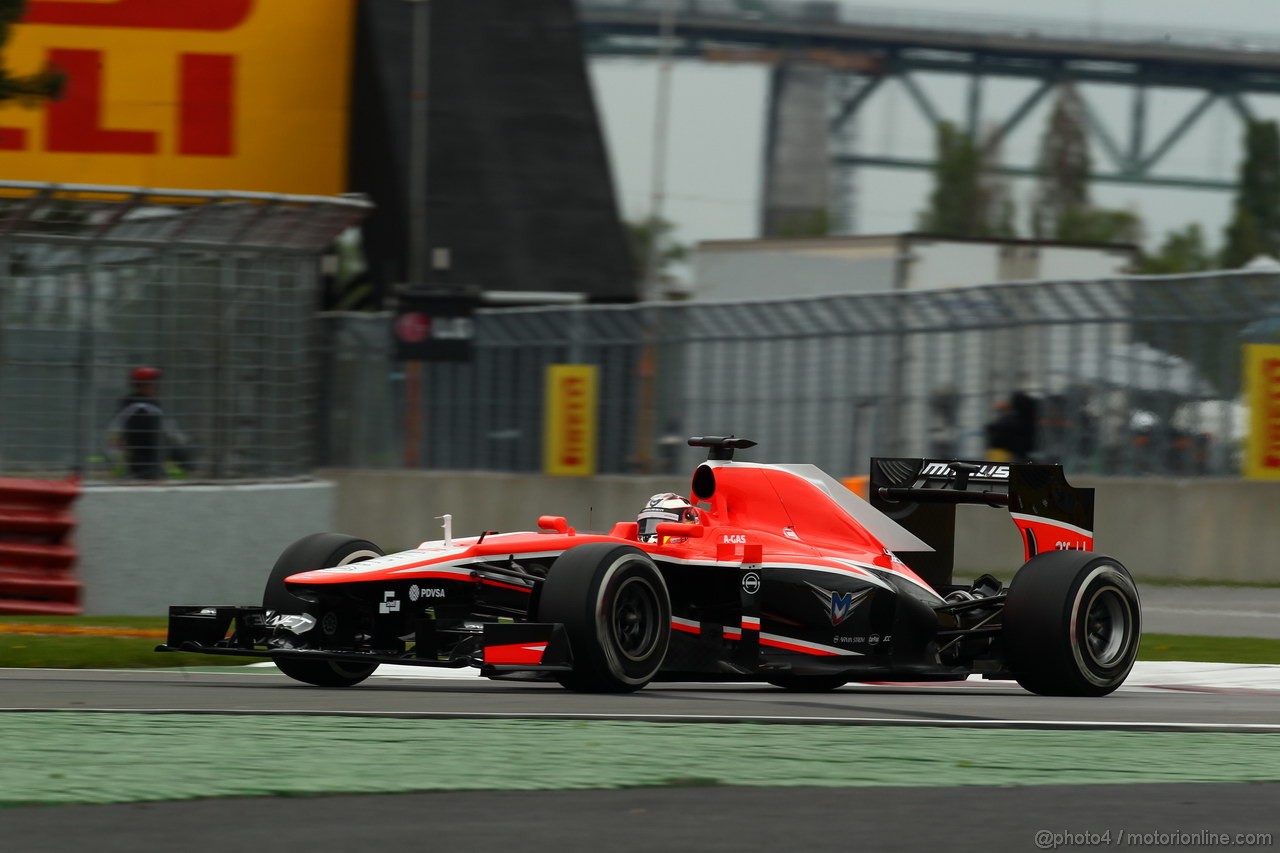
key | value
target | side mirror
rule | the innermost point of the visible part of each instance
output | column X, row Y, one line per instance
column 626, row 530
column 680, row 531
column 555, row 523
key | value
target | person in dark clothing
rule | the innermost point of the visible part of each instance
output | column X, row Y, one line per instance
column 1011, row 435
column 141, row 438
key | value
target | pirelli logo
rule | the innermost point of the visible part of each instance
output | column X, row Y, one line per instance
column 1270, row 404
column 1262, row 378
column 569, row 433
column 197, row 94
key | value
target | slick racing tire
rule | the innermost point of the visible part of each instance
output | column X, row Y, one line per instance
column 808, row 683
column 318, row 551
column 1072, row 623
column 615, row 609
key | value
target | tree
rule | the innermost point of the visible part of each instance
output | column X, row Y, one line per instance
column 1099, row 225
column 28, row 88
column 1062, row 209
column 1255, row 223
column 1182, row 252
column 999, row 211
column 804, row 223
column 966, row 201
column 1064, row 167
column 642, row 235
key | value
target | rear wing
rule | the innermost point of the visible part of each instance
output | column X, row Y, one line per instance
column 922, row 495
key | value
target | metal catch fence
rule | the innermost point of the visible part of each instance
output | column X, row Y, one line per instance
column 217, row 291
column 1138, row 375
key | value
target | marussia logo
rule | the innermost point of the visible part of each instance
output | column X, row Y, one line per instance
column 842, row 603
column 986, row 472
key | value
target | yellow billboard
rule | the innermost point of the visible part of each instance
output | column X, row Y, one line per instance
column 570, row 420
column 1262, row 381
column 192, row 94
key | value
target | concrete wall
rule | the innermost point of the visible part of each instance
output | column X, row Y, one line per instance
column 1201, row 529
column 143, row 548
column 1161, row 528
column 397, row 509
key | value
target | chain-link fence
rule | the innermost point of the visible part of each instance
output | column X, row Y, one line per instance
column 1135, row 375
column 216, row 291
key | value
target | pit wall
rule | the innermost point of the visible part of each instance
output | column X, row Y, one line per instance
column 143, row 548
column 1202, row 529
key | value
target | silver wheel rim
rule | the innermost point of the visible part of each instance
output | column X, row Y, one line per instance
column 635, row 618
column 1106, row 626
column 1105, row 656
column 605, row 622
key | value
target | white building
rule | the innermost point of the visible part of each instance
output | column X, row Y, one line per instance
column 737, row 270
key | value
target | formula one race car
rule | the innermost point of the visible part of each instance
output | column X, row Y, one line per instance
column 773, row 573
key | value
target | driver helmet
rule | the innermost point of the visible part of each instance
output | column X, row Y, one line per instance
column 666, row 506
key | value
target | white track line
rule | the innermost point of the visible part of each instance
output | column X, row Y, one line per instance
column 1182, row 675
column 691, row 718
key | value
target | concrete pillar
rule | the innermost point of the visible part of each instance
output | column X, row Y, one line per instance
column 797, row 188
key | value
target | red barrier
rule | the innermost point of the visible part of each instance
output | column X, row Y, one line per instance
column 37, row 561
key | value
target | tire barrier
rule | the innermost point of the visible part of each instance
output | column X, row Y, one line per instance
column 37, row 561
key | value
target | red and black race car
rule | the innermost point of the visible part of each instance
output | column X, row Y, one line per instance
column 773, row 573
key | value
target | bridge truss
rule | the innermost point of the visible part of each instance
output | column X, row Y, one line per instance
column 867, row 50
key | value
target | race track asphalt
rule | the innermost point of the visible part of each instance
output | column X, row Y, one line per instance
column 1221, row 611
column 811, row 820
column 1001, row 704
column 966, row 817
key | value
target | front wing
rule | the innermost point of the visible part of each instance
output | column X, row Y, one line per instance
column 246, row 631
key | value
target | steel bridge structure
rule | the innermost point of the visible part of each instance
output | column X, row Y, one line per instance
column 864, row 48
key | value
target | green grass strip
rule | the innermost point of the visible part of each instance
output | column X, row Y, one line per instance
column 1197, row 648
column 77, row 651
column 63, row 652
column 160, row 622
column 79, row 757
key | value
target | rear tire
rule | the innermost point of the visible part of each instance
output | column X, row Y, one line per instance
column 614, row 606
column 318, row 551
column 1072, row 624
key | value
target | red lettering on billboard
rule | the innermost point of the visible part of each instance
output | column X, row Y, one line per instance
column 141, row 14
column 12, row 139
column 1271, row 411
column 1271, row 375
column 74, row 124
column 206, row 93
column 574, row 389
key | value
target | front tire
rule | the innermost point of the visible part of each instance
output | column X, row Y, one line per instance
column 1072, row 624
column 614, row 606
column 318, row 551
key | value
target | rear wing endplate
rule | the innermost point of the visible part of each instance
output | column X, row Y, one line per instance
column 922, row 495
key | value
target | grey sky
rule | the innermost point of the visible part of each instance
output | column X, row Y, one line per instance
column 713, row 175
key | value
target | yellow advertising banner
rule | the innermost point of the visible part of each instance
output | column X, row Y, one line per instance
column 1262, row 383
column 190, row 94
column 570, row 420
